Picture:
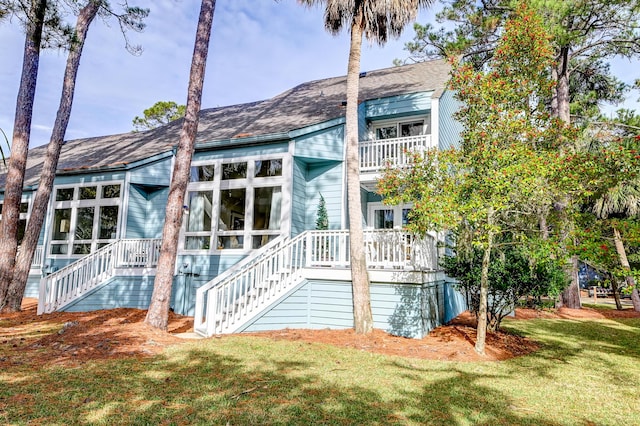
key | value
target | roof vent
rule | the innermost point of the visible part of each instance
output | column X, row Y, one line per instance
column 363, row 74
column 343, row 103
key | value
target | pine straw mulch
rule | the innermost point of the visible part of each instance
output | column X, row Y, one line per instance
column 75, row 338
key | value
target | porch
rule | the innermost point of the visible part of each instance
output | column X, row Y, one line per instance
column 375, row 155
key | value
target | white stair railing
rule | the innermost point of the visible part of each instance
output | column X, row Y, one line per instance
column 376, row 154
column 76, row 279
column 232, row 300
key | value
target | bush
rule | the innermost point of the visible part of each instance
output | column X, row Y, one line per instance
column 512, row 275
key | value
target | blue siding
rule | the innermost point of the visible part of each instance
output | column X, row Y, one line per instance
column 409, row 310
column 299, row 198
column 450, row 128
column 119, row 292
column 89, row 178
column 325, row 179
column 145, row 213
column 323, row 145
column 156, row 206
column 415, row 103
column 158, row 173
column 200, row 270
column 136, row 212
column 454, row 302
column 363, row 131
column 33, row 286
column 233, row 152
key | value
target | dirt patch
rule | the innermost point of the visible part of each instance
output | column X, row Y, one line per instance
column 75, row 338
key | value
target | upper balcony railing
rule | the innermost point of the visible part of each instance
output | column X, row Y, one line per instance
column 376, row 154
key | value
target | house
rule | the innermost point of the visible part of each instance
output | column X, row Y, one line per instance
column 249, row 256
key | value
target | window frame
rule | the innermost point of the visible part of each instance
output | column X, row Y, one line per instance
column 398, row 122
column 243, row 237
column 397, row 214
column 75, row 204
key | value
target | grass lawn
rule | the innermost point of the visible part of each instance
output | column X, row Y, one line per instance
column 587, row 372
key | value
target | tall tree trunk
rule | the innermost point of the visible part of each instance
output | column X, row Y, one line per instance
column 39, row 208
column 20, row 145
column 481, row 331
column 158, row 313
column 570, row 297
column 624, row 262
column 362, row 316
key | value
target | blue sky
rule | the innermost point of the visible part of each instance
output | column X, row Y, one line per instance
column 258, row 50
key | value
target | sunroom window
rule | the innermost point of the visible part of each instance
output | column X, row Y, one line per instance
column 85, row 218
column 238, row 207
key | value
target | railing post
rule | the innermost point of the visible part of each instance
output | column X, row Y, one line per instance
column 309, row 246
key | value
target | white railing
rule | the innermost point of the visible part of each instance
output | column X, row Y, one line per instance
column 376, row 154
column 76, row 279
column 38, row 257
column 230, row 301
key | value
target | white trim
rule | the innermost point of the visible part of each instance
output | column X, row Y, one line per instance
column 426, row 119
column 435, row 123
column 372, row 207
column 249, row 184
column 74, row 204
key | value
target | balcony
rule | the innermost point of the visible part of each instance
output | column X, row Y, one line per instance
column 376, row 154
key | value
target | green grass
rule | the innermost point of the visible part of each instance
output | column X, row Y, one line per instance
column 586, row 373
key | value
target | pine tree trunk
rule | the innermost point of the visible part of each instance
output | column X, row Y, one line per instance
column 481, row 331
column 158, row 313
column 624, row 262
column 362, row 316
column 20, row 146
column 45, row 186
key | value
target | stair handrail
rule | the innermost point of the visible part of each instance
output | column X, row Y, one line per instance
column 74, row 280
column 226, row 303
column 271, row 246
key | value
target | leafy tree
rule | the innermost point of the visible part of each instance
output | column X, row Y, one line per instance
column 503, row 175
column 162, row 112
column 158, row 313
column 376, row 20
column 132, row 19
column 585, row 32
column 616, row 202
column 512, row 275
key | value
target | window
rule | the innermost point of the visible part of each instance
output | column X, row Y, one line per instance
column 388, row 217
column 85, row 218
column 22, row 220
column 391, row 129
column 237, row 206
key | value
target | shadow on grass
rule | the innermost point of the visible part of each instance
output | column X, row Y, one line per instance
column 460, row 399
column 594, row 344
column 196, row 387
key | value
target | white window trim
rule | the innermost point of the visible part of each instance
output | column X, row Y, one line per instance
column 249, row 183
column 425, row 118
column 74, row 204
column 397, row 213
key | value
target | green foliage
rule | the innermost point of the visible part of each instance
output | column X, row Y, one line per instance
column 322, row 220
column 161, row 113
column 513, row 274
column 514, row 161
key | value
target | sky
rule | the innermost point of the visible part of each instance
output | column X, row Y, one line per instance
column 259, row 48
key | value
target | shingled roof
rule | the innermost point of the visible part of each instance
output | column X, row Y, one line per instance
column 304, row 105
